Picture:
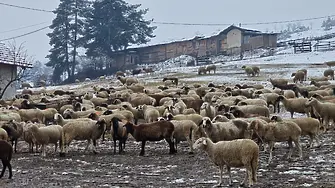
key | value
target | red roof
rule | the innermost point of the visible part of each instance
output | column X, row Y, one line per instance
column 7, row 57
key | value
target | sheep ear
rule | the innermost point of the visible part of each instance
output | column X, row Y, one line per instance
column 204, row 142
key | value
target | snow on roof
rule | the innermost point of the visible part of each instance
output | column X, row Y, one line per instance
column 7, row 57
column 199, row 35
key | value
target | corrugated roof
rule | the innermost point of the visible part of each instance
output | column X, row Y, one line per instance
column 7, row 57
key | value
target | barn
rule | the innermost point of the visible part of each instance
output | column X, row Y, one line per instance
column 231, row 41
column 10, row 63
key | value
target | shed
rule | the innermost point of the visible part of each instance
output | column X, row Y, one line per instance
column 9, row 63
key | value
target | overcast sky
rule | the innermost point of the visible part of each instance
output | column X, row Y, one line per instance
column 188, row 11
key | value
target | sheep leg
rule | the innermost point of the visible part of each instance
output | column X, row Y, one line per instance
column 298, row 146
column 271, row 145
column 254, row 166
column 31, row 147
column 221, row 172
column 95, row 146
column 229, row 175
column 142, row 148
column 248, row 176
column 56, row 145
column 292, row 114
column 317, row 141
column 4, row 165
column 103, row 136
column 43, row 153
column 114, row 140
column 310, row 141
column 120, row 146
column 88, row 144
column 190, row 143
column 10, row 169
column 326, row 123
column 290, row 149
column 124, row 143
column 171, row 145
column 15, row 145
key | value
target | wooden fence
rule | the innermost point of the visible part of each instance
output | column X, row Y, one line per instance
column 324, row 46
column 302, row 47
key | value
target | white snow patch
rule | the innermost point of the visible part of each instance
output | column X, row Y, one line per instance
column 307, row 185
column 181, row 180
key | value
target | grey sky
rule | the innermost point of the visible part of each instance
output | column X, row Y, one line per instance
column 189, row 11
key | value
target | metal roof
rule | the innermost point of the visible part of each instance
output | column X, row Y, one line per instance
column 8, row 57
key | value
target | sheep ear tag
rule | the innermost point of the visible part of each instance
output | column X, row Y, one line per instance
column 204, row 142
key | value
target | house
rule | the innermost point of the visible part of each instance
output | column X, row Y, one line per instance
column 9, row 63
column 231, row 41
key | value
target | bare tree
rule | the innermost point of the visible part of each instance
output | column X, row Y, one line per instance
column 18, row 56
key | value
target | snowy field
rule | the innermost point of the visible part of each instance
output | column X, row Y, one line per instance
column 157, row 168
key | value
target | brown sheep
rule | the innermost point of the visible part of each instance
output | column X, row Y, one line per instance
column 210, row 68
column 202, row 70
column 299, row 76
column 154, row 131
column 174, row 80
column 120, row 73
column 256, row 70
column 329, row 72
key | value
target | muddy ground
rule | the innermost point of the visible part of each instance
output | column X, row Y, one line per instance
column 159, row 169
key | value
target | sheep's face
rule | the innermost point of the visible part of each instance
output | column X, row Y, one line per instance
column 67, row 114
column 160, row 119
column 206, row 122
column 204, row 105
column 274, row 118
column 253, row 125
column 219, row 118
column 310, row 102
column 229, row 115
column 201, row 143
column 169, row 116
column 214, row 98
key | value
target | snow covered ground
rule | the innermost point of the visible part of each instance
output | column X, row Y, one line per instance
column 228, row 72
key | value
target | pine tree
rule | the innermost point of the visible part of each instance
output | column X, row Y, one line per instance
column 115, row 25
column 66, row 37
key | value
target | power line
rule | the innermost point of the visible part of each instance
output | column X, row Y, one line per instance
column 193, row 24
column 256, row 23
column 22, row 7
column 25, row 34
column 22, row 27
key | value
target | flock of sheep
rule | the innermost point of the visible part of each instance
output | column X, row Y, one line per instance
column 229, row 122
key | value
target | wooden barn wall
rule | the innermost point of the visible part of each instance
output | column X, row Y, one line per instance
column 199, row 47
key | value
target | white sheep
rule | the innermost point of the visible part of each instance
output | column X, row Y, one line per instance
column 326, row 110
column 281, row 132
column 252, row 109
column 46, row 135
column 271, row 99
column 294, row 105
column 184, row 131
column 150, row 113
column 236, row 153
column 206, row 110
column 28, row 135
column 309, row 126
column 219, row 131
column 82, row 130
column 196, row 118
column 3, row 134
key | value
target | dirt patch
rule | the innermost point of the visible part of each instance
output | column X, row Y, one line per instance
column 159, row 169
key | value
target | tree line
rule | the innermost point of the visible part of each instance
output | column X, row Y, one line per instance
column 98, row 27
